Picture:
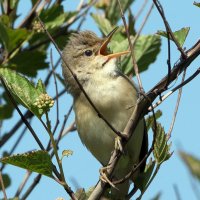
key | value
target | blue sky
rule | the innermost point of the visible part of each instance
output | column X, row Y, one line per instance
column 82, row 169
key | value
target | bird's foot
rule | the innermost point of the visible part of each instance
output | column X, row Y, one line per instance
column 104, row 178
column 118, row 144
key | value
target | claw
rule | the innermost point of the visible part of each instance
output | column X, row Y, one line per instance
column 104, row 178
column 118, row 144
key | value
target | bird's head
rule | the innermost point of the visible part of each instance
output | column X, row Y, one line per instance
column 86, row 54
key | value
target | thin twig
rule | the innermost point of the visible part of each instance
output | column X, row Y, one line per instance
column 135, row 66
column 8, row 135
column 64, row 122
column 32, row 186
column 15, row 145
column 56, row 87
column 141, row 9
column 30, row 14
column 164, row 97
column 22, row 116
column 176, row 107
column 2, row 186
column 46, row 82
column 162, row 14
column 72, row 127
column 79, row 84
column 143, row 24
column 22, row 185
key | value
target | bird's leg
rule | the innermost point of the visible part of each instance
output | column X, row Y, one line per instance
column 104, row 178
column 103, row 170
column 118, row 144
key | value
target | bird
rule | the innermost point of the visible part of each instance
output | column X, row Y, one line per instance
column 112, row 93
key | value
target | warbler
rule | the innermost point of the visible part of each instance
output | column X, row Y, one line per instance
column 114, row 96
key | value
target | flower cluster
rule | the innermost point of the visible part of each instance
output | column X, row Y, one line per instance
column 44, row 101
column 37, row 27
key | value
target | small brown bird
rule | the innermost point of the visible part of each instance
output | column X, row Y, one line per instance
column 114, row 96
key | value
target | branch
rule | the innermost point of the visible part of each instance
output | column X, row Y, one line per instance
column 135, row 66
column 141, row 109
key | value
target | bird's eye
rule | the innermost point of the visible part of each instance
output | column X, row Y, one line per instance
column 88, row 52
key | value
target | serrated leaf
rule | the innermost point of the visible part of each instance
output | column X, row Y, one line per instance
column 192, row 162
column 161, row 150
column 150, row 119
column 143, row 178
column 6, row 181
column 29, row 62
column 36, row 161
column 196, row 4
column 103, row 23
column 146, row 50
column 180, row 35
column 23, row 90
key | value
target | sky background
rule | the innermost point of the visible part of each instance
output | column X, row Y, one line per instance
column 81, row 169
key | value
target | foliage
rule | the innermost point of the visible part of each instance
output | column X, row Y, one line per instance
column 24, row 54
column 36, row 161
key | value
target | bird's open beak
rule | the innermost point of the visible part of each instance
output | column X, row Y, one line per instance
column 103, row 48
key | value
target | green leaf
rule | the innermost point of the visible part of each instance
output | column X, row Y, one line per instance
column 131, row 23
column 196, row 4
column 180, row 35
column 6, row 107
column 161, row 150
column 103, row 23
column 55, row 16
column 4, row 19
column 112, row 10
column 25, row 92
column 12, row 38
column 192, row 162
column 36, row 161
column 6, row 181
column 150, row 119
column 29, row 62
column 146, row 50
column 6, row 111
column 143, row 178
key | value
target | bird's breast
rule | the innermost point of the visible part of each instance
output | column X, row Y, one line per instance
column 115, row 98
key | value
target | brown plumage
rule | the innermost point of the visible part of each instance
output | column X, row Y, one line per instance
column 113, row 95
